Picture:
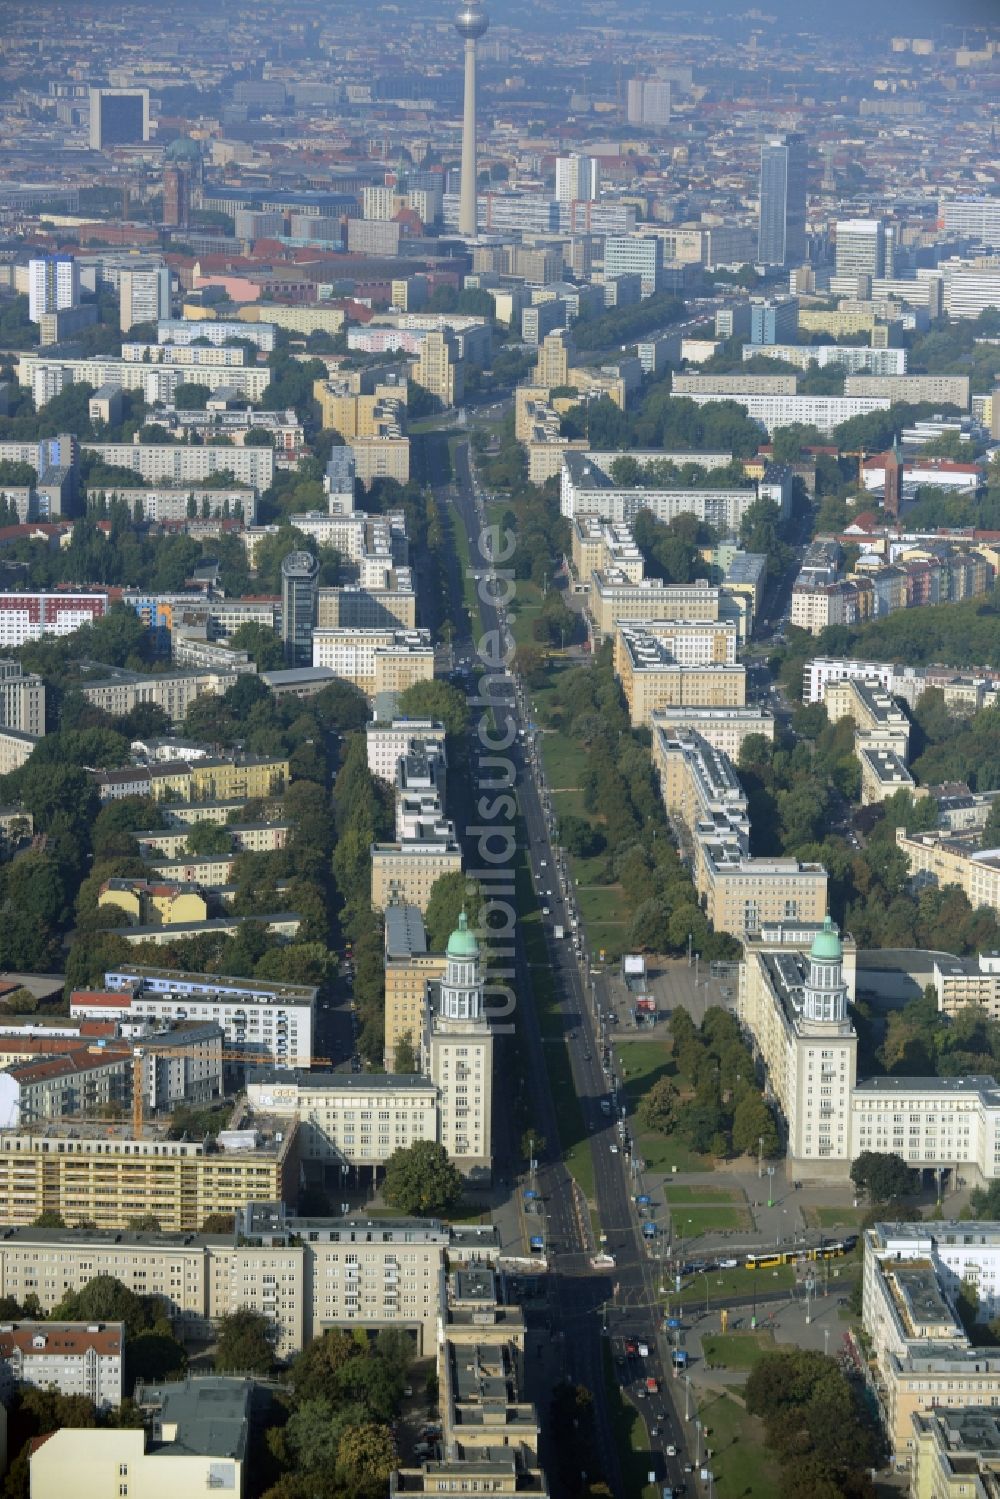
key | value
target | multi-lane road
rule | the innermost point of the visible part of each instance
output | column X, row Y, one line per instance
column 585, row 1299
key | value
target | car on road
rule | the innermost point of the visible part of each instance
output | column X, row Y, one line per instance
column 614, row 1150
column 671, row 1450
column 644, row 1350
column 727, row 1264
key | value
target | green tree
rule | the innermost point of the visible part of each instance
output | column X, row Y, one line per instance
column 451, row 894
column 882, row 1176
column 422, row 1180
column 657, row 1107
column 244, row 1343
column 406, row 1056
column 261, row 644
column 436, row 700
column 206, row 838
column 366, row 1456
column 104, row 1299
column 753, row 1122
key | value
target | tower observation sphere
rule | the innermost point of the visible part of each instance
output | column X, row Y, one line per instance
column 471, row 21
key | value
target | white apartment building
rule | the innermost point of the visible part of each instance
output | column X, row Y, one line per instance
column 179, row 464
column 53, row 285
column 854, row 358
column 31, row 616
column 216, row 356
column 585, row 488
column 187, row 330
column 47, row 376
column 824, row 412
column 22, row 699
column 374, row 661
column 577, row 179
column 391, row 740
column 75, row 1358
column 264, row 1019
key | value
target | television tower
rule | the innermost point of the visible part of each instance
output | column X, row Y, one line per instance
column 471, row 22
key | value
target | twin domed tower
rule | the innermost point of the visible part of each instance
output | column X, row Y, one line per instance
column 471, row 22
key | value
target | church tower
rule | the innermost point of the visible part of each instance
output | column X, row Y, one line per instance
column 458, row 1048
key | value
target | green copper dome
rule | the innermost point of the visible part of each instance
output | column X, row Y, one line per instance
column 462, row 943
column 826, row 944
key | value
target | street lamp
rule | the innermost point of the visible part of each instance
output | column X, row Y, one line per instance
column 770, row 1186
column 687, row 1397
column 697, row 1427
column 760, row 1156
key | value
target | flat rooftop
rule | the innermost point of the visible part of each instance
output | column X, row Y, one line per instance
column 211, row 1416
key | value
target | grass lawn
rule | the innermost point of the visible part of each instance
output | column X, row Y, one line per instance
column 711, row 1218
column 565, row 762
column 737, row 1283
column 846, row 1217
column 631, row 1436
column 702, row 1195
column 664, row 1154
column 743, row 1467
column 737, row 1350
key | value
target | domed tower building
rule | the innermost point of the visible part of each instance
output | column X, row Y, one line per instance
column 458, row 1055
column 794, row 1002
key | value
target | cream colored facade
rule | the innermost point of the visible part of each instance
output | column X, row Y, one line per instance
column 705, row 801
column 109, row 1179
column 615, row 599
column 880, row 724
column 807, row 1043
column 922, row 1359
column 219, row 780
column 354, row 414
column 652, row 676
column 349, row 1118
column 959, row 982
column 404, row 873
column 340, row 1273
column 937, row 861
column 95, row 1461
column 174, row 692
column 353, row 607
column 883, row 773
column 155, row 905
column 844, row 320
column 312, row 317
column 552, row 364
column 952, row 390
column 955, row 1454
column 406, row 981
column 381, row 457
column 596, row 545
column 723, row 728
column 438, row 368
column 15, row 749
column 375, row 661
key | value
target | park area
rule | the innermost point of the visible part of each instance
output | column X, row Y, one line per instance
column 740, row 1463
column 696, row 1210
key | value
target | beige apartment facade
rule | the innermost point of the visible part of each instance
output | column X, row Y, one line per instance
column 404, row 873
column 375, row 661
column 937, row 861
column 406, row 981
column 109, row 1180
column 723, row 728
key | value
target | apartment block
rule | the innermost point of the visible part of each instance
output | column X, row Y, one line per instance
column 404, row 872
column 936, row 861
column 587, row 488
column 952, row 390
column 390, row 740
column 376, row 661
column 723, row 728
column 108, row 1179
column 615, row 599
column 705, row 801
column 240, row 778
column 22, row 699
column 959, row 982
column 174, row 691
column 75, row 1358
column 409, row 968
column 32, row 616
column 196, row 1440
column 855, row 359
column 678, row 663
column 879, row 722
column 735, row 385
column 922, row 1361
column 883, row 773
column 348, row 1118
column 824, row 412
column 264, row 1019
column 181, row 464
